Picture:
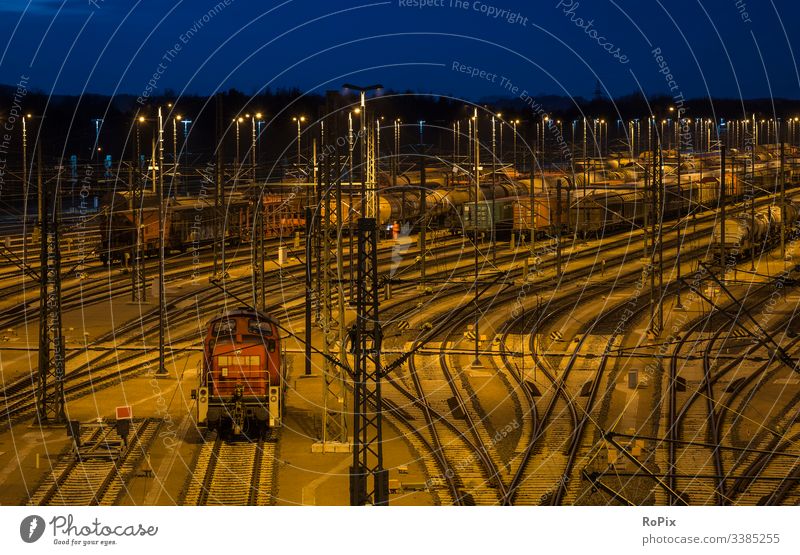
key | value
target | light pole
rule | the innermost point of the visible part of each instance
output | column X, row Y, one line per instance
column 455, row 161
column 678, row 145
column 458, row 141
column 586, row 174
column 138, row 277
column 638, row 136
column 396, row 164
column 500, row 118
column 175, row 121
column 162, row 301
column 25, row 187
column 787, row 135
column 299, row 120
column 477, row 361
column 752, row 190
column 515, row 122
column 604, row 134
column 186, row 123
column 573, row 127
column 257, row 254
column 236, row 121
column 25, row 175
column 756, row 133
column 364, row 162
column 545, row 119
column 256, row 118
column 631, row 138
column 260, row 123
column 494, row 183
column 350, row 143
column 470, row 150
column 708, row 125
column 97, row 122
column 560, row 128
column 185, row 146
column 375, row 167
column 532, row 199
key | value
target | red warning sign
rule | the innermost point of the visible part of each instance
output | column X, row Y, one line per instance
column 124, row 412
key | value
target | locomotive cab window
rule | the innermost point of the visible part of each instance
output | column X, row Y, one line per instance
column 260, row 327
column 233, row 365
column 239, row 360
column 224, row 326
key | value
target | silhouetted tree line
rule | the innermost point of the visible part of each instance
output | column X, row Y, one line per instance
column 67, row 128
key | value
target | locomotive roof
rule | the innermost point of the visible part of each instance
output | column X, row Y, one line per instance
column 242, row 312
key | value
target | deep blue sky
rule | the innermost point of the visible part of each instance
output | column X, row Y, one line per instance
column 72, row 46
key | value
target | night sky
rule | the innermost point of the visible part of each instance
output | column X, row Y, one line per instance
column 717, row 48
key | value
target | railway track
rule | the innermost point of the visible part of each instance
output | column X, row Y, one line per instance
column 549, row 471
column 545, row 467
column 771, row 475
column 561, row 485
column 99, row 475
column 473, row 415
column 704, row 411
column 233, row 472
column 764, row 471
column 458, row 471
column 110, row 366
column 445, row 430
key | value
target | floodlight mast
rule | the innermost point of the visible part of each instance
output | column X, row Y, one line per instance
column 369, row 206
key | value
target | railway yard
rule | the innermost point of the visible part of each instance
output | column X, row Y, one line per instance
column 400, row 276
column 620, row 333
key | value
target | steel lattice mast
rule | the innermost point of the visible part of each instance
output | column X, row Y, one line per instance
column 369, row 483
column 334, row 422
column 50, row 387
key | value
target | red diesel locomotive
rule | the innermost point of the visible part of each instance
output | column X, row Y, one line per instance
column 241, row 387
